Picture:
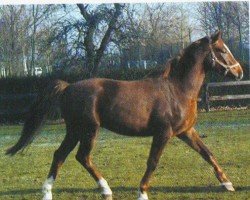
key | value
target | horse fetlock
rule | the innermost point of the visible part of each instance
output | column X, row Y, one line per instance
column 47, row 187
column 228, row 186
column 221, row 176
column 103, row 184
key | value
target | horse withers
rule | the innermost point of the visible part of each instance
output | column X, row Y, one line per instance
column 162, row 107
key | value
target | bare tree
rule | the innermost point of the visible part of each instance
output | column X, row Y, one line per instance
column 93, row 20
column 39, row 14
column 12, row 37
column 147, row 29
column 230, row 17
column 20, row 28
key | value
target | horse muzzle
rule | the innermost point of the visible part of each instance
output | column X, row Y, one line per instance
column 236, row 71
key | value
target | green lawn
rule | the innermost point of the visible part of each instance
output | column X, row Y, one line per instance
column 181, row 173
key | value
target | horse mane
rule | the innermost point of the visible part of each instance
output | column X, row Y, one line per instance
column 164, row 72
column 184, row 61
column 188, row 57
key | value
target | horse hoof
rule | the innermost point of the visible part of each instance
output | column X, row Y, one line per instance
column 47, row 197
column 142, row 196
column 107, row 197
column 228, row 186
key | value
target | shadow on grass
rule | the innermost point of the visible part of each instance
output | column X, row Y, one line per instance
column 183, row 189
column 172, row 189
column 37, row 191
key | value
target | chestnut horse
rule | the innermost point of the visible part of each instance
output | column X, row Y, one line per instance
column 161, row 107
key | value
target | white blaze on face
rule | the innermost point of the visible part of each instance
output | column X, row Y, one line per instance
column 229, row 52
column 47, row 187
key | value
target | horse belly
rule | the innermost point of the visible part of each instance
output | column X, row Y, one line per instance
column 126, row 121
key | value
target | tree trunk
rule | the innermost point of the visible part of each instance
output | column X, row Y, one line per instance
column 33, row 41
column 12, row 43
column 94, row 56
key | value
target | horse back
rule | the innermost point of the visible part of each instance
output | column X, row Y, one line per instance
column 125, row 107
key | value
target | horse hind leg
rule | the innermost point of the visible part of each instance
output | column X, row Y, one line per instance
column 193, row 140
column 60, row 155
column 87, row 141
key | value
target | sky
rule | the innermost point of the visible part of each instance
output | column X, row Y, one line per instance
column 190, row 5
column 92, row 1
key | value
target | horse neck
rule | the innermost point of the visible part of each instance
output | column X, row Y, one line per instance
column 189, row 76
column 192, row 83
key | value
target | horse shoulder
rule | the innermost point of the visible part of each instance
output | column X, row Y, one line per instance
column 185, row 115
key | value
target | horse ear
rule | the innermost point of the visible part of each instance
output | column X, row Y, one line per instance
column 216, row 36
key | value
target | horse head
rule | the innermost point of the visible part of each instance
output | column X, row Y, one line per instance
column 222, row 59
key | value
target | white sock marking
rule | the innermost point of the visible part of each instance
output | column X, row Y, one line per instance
column 103, row 184
column 228, row 186
column 143, row 196
column 47, row 187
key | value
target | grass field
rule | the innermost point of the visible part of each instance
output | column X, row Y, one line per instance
column 181, row 173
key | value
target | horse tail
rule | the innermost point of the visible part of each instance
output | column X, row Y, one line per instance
column 44, row 106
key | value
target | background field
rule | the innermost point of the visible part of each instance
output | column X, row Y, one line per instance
column 181, row 173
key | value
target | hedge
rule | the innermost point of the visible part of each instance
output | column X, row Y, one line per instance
column 11, row 111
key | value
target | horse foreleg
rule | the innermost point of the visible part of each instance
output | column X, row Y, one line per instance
column 60, row 155
column 83, row 156
column 193, row 140
column 158, row 144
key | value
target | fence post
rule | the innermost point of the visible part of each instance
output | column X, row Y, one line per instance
column 207, row 98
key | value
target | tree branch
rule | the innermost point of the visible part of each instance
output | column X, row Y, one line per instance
column 83, row 10
column 107, row 36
